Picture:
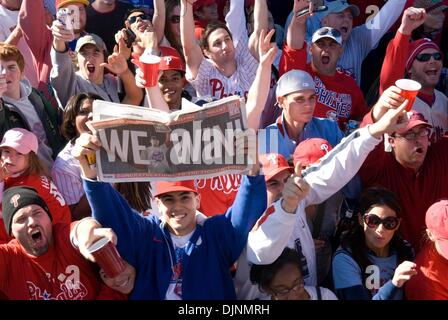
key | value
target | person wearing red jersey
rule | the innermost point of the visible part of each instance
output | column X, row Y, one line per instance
column 46, row 265
column 20, row 166
column 338, row 96
column 419, row 60
column 415, row 170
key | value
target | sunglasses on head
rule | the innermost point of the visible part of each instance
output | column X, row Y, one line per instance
column 175, row 19
column 143, row 16
column 334, row 32
column 423, row 57
column 373, row 221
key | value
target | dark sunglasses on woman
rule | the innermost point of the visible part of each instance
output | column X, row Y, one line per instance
column 423, row 57
column 373, row 221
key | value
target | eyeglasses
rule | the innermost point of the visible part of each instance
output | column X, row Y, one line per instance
column 283, row 294
column 373, row 221
column 143, row 16
column 175, row 19
column 334, row 32
column 423, row 57
column 411, row 136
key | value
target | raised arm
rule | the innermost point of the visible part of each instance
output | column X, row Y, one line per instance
column 260, row 23
column 394, row 63
column 192, row 50
column 296, row 33
column 259, row 90
column 158, row 19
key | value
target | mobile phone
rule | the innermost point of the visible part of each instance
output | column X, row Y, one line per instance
column 131, row 37
column 63, row 15
column 307, row 10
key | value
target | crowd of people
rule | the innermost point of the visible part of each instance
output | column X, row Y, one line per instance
column 346, row 197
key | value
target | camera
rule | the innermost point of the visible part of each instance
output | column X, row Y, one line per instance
column 130, row 37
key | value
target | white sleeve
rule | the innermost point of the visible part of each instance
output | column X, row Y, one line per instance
column 236, row 22
column 338, row 166
column 271, row 234
column 383, row 20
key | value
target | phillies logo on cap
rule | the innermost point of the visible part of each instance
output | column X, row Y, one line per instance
column 273, row 159
column 15, row 200
column 168, row 60
column 324, row 146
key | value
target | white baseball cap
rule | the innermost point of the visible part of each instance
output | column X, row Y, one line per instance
column 327, row 32
column 292, row 81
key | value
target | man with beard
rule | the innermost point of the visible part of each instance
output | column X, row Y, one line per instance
column 41, row 263
column 415, row 170
column 39, row 37
column 338, row 97
column 419, row 60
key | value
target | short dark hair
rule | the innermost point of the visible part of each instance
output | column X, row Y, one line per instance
column 212, row 26
column 68, row 127
column 132, row 10
column 263, row 274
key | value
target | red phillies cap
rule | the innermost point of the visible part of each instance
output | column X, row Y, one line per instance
column 273, row 164
column 437, row 222
column 200, row 3
column 415, row 119
column 163, row 187
column 310, row 151
column 171, row 59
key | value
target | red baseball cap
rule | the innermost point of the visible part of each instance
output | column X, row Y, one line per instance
column 415, row 119
column 273, row 164
column 163, row 187
column 437, row 222
column 21, row 140
column 171, row 59
column 200, row 3
column 310, row 151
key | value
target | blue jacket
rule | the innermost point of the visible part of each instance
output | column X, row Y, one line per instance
column 213, row 248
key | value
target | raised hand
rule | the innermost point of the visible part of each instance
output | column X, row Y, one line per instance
column 60, row 32
column 391, row 121
column 116, row 62
column 267, row 50
column 120, row 38
column 300, row 5
column 390, row 99
column 412, row 19
column 296, row 189
column 85, row 145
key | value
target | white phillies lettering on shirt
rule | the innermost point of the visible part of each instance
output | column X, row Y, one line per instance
column 341, row 103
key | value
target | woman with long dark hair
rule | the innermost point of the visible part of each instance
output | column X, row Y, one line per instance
column 373, row 261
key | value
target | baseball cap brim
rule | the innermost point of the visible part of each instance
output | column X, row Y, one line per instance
column 337, row 6
column 174, row 189
column 413, row 125
column 21, row 148
column 276, row 171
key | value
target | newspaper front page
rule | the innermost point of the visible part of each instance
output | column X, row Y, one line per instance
column 143, row 144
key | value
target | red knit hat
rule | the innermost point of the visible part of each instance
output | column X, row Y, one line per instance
column 418, row 46
column 62, row 3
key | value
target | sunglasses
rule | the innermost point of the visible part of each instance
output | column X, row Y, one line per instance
column 142, row 16
column 373, row 221
column 423, row 57
column 175, row 19
column 283, row 294
column 334, row 32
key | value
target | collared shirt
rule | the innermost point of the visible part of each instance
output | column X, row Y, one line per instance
column 275, row 138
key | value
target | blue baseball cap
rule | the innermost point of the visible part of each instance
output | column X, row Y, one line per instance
column 336, row 6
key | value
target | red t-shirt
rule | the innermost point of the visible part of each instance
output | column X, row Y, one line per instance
column 338, row 97
column 431, row 281
column 60, row 274
column 60, row 212
column 218, row 193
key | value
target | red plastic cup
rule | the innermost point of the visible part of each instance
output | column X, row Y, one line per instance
column 409, row 90
column 107, row 257
column 149, row 65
